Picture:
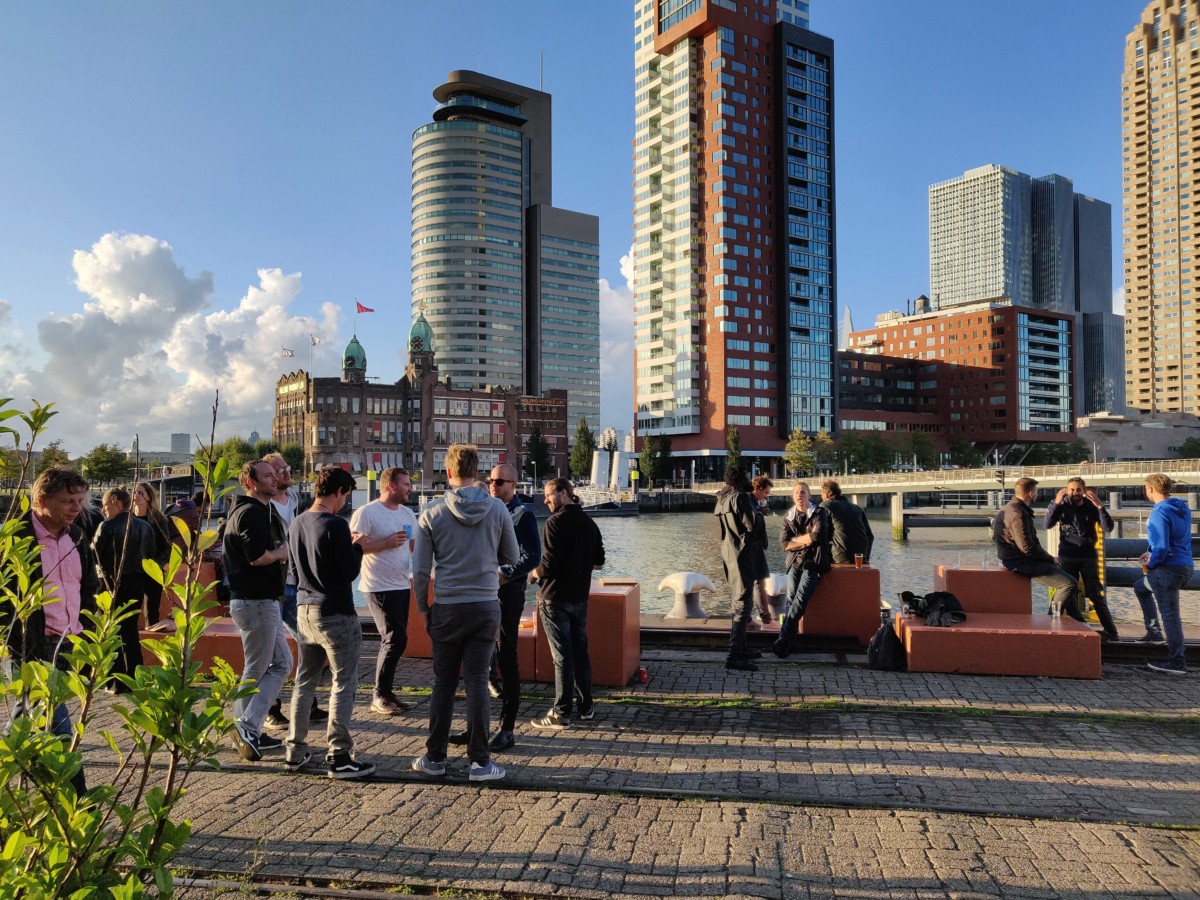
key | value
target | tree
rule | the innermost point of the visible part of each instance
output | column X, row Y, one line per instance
column 823, row 450
column 106, row 464
column 54, row 455
column 537, row 454
column 875, row 455
column 294, row 454
column 10, row 465
column 264, row 447
column 798, row 455
column 848, row 452
column 237, row 451
column 118, row 839
column 1190, row 449
column 964, row 454
column 733, row 447
column 919, row 446
column 646, row 461
column 582, row 450
column 663, row 466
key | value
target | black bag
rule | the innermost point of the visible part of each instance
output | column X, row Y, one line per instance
column 886, row 651
column 936, row 607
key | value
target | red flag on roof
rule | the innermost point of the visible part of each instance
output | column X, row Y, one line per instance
column 360, row 308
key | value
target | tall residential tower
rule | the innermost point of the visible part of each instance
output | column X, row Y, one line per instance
column 508, row 283
column 1158, row 115
column 734, row 226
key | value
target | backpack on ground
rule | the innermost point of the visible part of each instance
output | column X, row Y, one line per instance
column 885, row 652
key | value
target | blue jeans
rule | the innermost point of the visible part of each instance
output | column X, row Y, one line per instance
column 463, row 636
column 565, row 622
column 268, row 656
column 287, row 611
column 338, row 639
column 389, row 609
column 802, row 583
column 1045, row 572
column 1160, row 588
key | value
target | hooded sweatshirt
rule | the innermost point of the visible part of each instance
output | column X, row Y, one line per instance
column 462, row 540
column 1169, row 533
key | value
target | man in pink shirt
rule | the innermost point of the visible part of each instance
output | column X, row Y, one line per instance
column 68, row 568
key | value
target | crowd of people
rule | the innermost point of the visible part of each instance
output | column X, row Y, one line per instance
column 465, row 560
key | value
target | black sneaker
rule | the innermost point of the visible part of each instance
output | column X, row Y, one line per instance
column 276, row 720
column 1153, row 638
column 495, row 690
column 460, row 738
column 297, row 765
column 551, row 721
column 317, row 714
column 245, row 742
column 266, row 743
column 342, row 766
column 1167, row 668
column 779, row 650
column 589, row 713
column 739, row 664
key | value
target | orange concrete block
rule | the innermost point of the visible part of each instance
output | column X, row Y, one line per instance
column 614, row 635
column 845, row 603
column 1003, row 644
column 990, row 590
column 418, row 646
column 222, row 638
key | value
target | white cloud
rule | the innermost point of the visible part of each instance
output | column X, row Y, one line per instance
column 616, row 349
column 148, row 352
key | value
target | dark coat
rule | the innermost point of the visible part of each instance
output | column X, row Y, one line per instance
column 851, row 530
column 743, row 548
column 1077, row 527
column 120, row 546
column 1014, row 533
column 30, row 643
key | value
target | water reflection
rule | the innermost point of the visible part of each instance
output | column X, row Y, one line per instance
column 650, row 547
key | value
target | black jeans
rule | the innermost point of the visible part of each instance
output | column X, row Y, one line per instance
column 463, row 636
column 511, row 607
column 565, row 622
column 389, row 609
column 1088, row 568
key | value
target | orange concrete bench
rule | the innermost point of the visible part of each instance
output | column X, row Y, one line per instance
column 990, row 590
column 845, row 604
column 221, row 638
column 1002, row 644
column 420, row 647
column 614, row 632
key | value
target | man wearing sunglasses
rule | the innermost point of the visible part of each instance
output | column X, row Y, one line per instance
column 503, row 486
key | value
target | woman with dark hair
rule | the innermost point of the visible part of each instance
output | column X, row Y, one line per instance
column 145, row 507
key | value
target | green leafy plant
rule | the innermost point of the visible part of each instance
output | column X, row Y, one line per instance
column 118, row 838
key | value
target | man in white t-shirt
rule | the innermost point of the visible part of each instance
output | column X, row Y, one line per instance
column 385, row 530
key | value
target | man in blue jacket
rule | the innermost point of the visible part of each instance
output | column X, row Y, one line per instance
column 1169, row 566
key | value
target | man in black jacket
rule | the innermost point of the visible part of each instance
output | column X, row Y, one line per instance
column 1077, row 513
column 254, row 549
column 805, row 535
column 120, row 546
column 571, row 549
column 852, row 533
column 66, row 563
column 1020, row 552
column 743, row 558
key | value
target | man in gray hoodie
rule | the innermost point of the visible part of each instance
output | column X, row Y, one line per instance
column 467, row 535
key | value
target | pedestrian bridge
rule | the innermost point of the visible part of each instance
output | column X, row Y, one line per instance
column 1186, row 472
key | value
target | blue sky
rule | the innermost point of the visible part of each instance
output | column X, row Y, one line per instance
column 186, row 187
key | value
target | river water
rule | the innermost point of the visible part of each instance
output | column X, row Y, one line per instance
column 651, row 546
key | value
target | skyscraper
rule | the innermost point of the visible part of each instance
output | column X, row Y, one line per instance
column 998, row 234
column 1162, row 317
column 508, row 283
column 734, row 226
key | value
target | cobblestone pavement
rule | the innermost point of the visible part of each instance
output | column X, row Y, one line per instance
column 804, row 779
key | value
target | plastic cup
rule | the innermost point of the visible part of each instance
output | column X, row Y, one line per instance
column 408, row 532
column 858, row 560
